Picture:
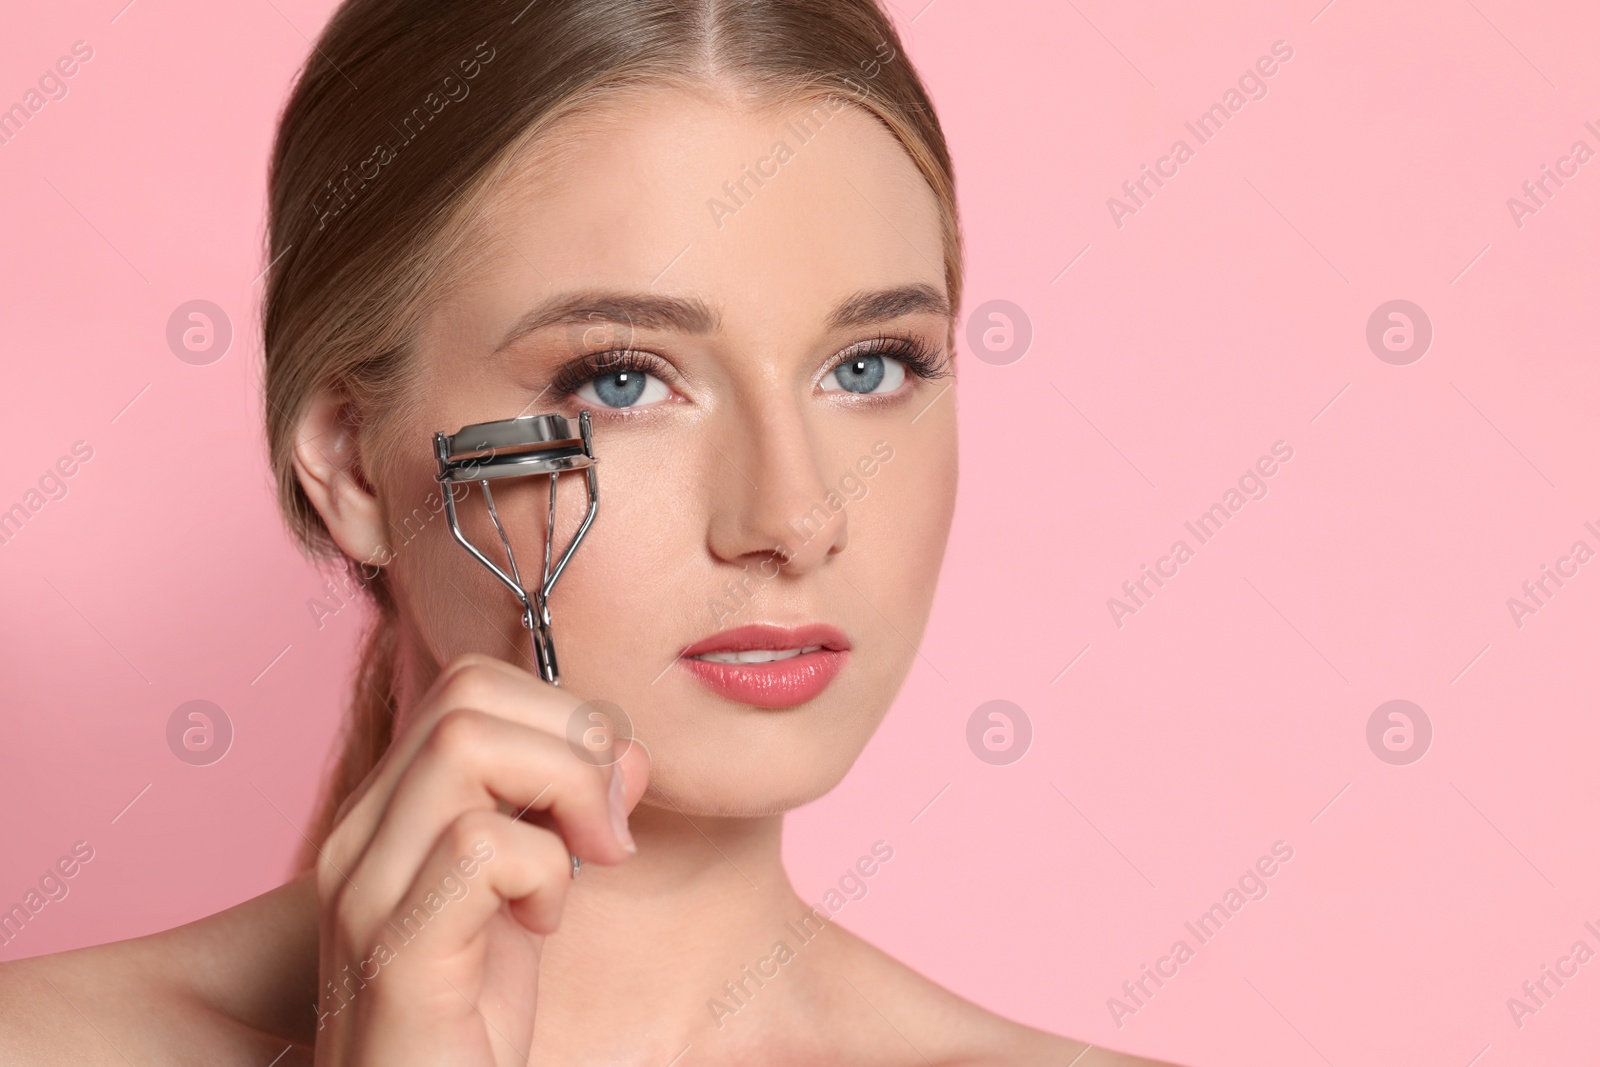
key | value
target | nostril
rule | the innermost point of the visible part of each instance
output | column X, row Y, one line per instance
column 843, row 538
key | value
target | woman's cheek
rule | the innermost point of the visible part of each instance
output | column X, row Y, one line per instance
column 642, row 560
column 904, row 521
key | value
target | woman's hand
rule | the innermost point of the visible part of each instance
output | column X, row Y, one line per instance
column 434, row 897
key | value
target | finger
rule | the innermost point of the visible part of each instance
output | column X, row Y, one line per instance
column 469, row 681
column 516, row 863
column 472, row 761
column 631, row 767
column 482, row 860
column 479, row 681
column 636, row 767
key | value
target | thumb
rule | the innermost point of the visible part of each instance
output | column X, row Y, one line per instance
column 634, row 763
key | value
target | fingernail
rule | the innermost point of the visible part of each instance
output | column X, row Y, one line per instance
column 619, row 818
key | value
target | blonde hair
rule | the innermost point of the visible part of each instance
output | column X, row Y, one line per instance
column 403, row 117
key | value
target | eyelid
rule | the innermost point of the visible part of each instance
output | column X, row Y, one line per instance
column 583, row 369
column 920, row 359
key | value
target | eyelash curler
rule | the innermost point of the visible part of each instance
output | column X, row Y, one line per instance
column 526, row 446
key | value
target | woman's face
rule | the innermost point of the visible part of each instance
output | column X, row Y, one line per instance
column 747, row 302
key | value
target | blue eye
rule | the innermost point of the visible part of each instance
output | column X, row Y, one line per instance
column 623, row 389
column 866, row 374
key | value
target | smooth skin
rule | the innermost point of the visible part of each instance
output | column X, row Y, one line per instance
column 742, row 429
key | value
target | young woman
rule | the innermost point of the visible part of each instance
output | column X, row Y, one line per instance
column 727, row 229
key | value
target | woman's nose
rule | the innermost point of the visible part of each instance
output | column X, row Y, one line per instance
column 772, row 495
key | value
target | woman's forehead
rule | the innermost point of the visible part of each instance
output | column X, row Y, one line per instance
column 677, row 192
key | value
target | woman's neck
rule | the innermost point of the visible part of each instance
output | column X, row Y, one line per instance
column 645, row 949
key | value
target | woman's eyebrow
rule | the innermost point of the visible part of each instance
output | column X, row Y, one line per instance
column 690, row 315
column 879, row 305
column 641, row 310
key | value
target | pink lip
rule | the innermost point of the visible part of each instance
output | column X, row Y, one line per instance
column 780, row 684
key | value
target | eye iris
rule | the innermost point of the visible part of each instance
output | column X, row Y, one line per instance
column 621, row 389
column 861, row 375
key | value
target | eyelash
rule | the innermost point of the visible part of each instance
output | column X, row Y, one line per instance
column 916, row 354
column 585, row 369
column 918, row 357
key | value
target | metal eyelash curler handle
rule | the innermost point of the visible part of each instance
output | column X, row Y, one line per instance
column 529, row 445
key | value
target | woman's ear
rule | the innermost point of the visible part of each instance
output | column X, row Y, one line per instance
column 327, row 460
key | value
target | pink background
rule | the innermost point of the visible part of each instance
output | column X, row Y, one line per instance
column 1226, row 715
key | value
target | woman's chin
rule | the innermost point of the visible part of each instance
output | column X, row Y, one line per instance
column 738, row 788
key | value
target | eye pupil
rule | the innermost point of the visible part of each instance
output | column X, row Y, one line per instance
column 620, row 389
column 861, row 375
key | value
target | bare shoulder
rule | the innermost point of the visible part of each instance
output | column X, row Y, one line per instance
column 935, row 1025
column 220, row 990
